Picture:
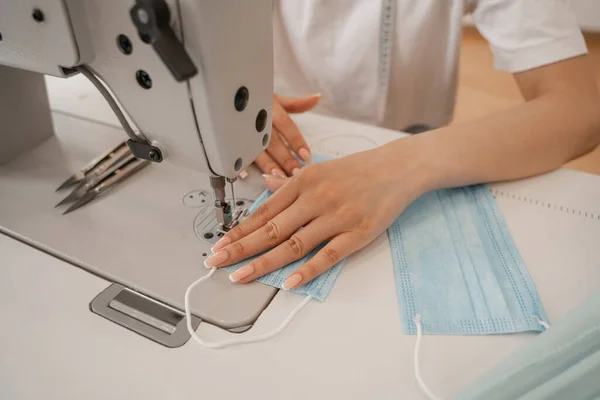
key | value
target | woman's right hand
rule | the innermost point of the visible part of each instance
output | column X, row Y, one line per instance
column 278, row 159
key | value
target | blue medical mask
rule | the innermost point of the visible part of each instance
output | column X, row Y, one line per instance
column 320, row 286
column 457, row 267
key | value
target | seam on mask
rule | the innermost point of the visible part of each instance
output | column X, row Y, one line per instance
column 466, row 192
column 402, row 277
column 499, row 254
column 525, row 278
column 512, row 278
column 523, row 272
column 552, row 206
column 409, row 304
column 484, row 326
column 495, row 257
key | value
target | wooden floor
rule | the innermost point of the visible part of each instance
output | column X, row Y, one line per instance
column 483, row 90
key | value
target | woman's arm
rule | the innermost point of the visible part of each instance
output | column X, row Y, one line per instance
column 559, row 121
column 350, row 201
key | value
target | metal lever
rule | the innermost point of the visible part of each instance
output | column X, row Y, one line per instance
column 152, row 19
column 143, row 315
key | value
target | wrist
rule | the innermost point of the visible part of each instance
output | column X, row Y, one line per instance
column 414, row 162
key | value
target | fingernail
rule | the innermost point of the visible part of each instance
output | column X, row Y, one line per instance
column 295, row 171
column 242, row 273
column 244, row 174
column 216, row 259
column 319, row 94
column 292, row 281
column 224, row 241
column 272, row 178
column 305, row 155
column 278, row 172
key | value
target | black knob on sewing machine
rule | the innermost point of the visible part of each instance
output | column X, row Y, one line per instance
column 152, row 19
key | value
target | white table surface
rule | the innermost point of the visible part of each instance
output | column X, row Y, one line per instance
column 350, row 346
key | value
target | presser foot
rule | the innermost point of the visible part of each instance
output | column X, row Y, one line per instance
column 210, row 229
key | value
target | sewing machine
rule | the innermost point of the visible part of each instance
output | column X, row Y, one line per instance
column 131, row 256
column 194, row 76
column 190, row 83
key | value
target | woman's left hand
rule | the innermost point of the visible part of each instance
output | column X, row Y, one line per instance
column 348, row 202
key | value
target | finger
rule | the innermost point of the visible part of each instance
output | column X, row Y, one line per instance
column 274, row 183
column 271, row 234
column 296, row 105
column 290, row 132
column 269, row 166
column 290, row 250
column 333, row 252
column 277, row 203
column 282, row 155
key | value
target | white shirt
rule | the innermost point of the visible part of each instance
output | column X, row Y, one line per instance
column 338, row 48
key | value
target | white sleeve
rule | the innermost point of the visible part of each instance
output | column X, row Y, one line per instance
column 525, row 34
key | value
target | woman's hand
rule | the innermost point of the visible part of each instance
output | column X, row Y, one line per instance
column 278, row 159
column 348, row 202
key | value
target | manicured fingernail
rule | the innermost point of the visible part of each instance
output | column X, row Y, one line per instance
column 216, row 259
column 242, row 273
column 305, row 155
column 278, row 172
column 224, row 241
column 295, row 171
column 278, row 178
column 292, row 281
column 244, row 174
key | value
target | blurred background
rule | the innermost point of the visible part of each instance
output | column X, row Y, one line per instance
column 483, row 90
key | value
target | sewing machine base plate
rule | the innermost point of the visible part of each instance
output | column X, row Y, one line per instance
column 140, row 235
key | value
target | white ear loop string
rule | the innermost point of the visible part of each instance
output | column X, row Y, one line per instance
column 236, row 341
column 422, row 384
column 542, row 323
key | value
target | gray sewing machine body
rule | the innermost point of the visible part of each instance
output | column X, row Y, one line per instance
column 195, row 77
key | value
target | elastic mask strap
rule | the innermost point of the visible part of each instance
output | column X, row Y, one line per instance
column 242, row 340
column 422, row 384
column 542, row 323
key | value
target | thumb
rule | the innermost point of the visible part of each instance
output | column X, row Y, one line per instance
column 274, row 182
column 299, row 104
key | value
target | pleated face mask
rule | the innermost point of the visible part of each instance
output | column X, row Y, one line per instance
column 457, row 268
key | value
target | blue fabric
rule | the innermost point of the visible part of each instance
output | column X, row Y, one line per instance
column 457, row 266
column 319, row 287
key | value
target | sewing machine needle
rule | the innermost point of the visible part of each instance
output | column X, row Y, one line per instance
column 232, row 197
